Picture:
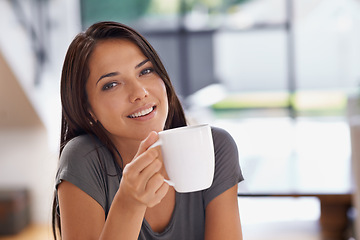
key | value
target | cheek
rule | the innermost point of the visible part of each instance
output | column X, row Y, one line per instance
column 163, row 93
column 106, row 109
column 165, row 102
column 161, row 86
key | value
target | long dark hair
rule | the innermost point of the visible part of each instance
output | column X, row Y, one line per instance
column 76, row 120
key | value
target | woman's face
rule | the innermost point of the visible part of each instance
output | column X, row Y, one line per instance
column 124, row 92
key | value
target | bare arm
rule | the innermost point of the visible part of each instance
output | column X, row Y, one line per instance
column 81, row 216
column 141, row 186
column 222, row 219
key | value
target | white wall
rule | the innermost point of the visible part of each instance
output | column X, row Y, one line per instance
column 26, row 159
column 26, row 162
column 30, row 115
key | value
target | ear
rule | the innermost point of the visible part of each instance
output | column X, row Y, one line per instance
column 93, row 116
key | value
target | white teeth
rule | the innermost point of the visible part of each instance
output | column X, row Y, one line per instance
column 142, row 113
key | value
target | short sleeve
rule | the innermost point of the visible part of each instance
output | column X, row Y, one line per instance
column 227, row 167
column 80, row 164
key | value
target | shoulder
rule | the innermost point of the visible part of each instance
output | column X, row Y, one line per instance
column 84, row 162
column 224, row 146
column 223, row 141
column 83, row 150
column 82, row 144
column 227, row 167
column 219, row 133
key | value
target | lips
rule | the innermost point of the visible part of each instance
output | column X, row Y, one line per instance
column 142, row 113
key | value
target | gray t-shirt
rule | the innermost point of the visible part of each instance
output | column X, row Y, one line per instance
column 86, row 163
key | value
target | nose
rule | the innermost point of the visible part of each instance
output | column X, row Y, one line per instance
column 137, row 91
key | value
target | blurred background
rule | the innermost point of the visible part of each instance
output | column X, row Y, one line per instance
column 282, row 76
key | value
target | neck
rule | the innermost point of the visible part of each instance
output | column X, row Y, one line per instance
column 127, row 150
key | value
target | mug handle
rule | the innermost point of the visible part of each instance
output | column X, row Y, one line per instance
column 171, row 183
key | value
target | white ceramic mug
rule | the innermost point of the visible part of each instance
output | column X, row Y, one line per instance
column 189, row 158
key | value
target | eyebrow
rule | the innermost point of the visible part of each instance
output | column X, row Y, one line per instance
column 117, row 73
column 142, row 63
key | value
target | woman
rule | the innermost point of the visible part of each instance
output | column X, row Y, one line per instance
column 116, row 95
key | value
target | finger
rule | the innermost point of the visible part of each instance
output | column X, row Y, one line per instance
column 159, row 195
column 143, row 158
column 154, row 183
column 140, row 163
column 161, row 192
column 148, row 195
column 150, row 171
column 147, row 142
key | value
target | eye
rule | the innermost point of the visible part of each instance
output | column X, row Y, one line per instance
column 146, row 71
column 109, row 86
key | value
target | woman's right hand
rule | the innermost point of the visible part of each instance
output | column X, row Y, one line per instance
column 142, row 186
column 142, row 182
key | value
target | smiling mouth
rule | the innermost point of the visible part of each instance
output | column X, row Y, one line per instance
column 142, row 113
